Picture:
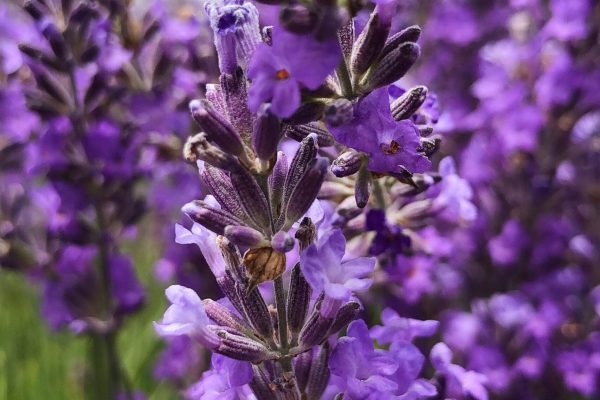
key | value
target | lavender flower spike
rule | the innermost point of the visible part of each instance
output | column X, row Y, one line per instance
column 322, row 266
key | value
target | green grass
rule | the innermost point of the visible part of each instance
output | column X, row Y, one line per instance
column 36, row 363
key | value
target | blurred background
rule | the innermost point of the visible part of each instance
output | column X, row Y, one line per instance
column 93, row 115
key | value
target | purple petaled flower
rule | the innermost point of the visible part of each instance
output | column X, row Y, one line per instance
column 186, row 316
column 453, row 196
column 324, row 270
column 389, row 144
column 228, row 379
column 388, row 238
column 278, row 72
column 395, row 328
column 507, row 246
column 459, row 381
column 365, row 372
column 180, row 358
column 206, row 241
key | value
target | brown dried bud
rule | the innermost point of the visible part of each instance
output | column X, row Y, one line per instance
column 263, row 264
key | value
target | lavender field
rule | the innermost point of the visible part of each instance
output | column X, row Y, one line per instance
column 300, row 200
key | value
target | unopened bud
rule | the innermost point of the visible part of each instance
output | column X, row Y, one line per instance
column 368, row 44
column 216, row 127
column 282, row 242
column 410, row 34
column 362, row 187
column 407, row 104
column 266, row 133
column 245, row 236
column 348, row 163
column 198, row 147
column 392, row 66
column 299, row 132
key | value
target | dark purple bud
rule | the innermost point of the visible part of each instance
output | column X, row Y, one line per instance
column 408, row 104
column 277, row 182
column 49, row 61
column 256, row 311
column 315, row 330
column 299, row 132
column 198, row 147
column 227, row 284
column 298, row 300
column 429, row 146
column 319, row 373
column 392, row 66
column 211, row 218
column 346, row 314
column 83, row 13
column 245, row 236
column 339, row 112
column 232, row 256
column 306, row 233
column 252, row 198
column 216, row 127
column 242, row 348
column 305, row 154
column 362, row 187
column 261, row 384
column 56, row 40
column 410, row 34
column 307, row 112
column 220, row 187
column 306, row 191
column 298, row 18
column 302, row 364
column 221, row 315
column 234, row 90
column 266, row 133
column 348, row 163
column 282, row 242
column 34, row 10
column 346, row 38
column 368, row 44
column 48, row 83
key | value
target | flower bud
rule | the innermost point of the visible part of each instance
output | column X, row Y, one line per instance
column 267, row 133
column 211, row 218
column 407, row 104
column 221, row 315
column 198, row 147
column 339, row 112
column 306, row 191
column 252, row 198
column 392, row 66
column 362, row 187
column 303, row 157
column 243, row 348
column 216, row 127
column 282, row 242
column 319, row 373
column 245, row 236
column 256, row 310
column 233, row 87
column 302, row 363
column 315, row 330
column 346, row 314
column 299, row 132
column 429, row 146
column 220, row 187
column 348, row 163
column 368, row 45
column 298, row 299
column 261, row 385
column 277, row 182
column 410, row 34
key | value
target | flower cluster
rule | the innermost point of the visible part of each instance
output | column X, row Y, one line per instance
column 359, row 134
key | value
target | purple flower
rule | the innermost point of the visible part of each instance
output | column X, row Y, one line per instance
column 388, row 143
column 180, row 358
column 186, row 316
column 454, row 194
column 396, row 328
column 365, row 371
column 388, row 238
column 324, row 270
column 278, row 72
column 227, row 379
column 507, row 246
column 206, row 241
column 460, row 382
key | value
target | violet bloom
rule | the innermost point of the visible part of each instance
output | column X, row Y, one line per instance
column 325, row 272
column 454, row 195
column 396, row 329
column 389, row 144
column 186, row 316
column 365, row 372
column 278, row 72
column 388, row 238
column 228, row 380
column 206, row 241
column 505, row 248
column 459, row 381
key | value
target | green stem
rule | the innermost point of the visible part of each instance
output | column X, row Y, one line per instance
column 344, row 78
column 282, row 322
